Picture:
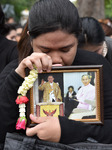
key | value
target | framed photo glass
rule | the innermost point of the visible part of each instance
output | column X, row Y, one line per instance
column 73, row 91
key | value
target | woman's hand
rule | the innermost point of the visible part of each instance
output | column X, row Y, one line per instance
column 48, row 128
column 41, row 60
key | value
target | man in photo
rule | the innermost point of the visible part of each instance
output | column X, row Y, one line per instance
column 51, row 90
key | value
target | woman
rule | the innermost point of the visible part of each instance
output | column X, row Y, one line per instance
column 51, row 40
column 71, row 93
column 8, row 49
column 93, row 38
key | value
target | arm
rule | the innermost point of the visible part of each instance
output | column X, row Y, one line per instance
column 41, row 86
column 9, row 83
column 59, row 94
column 75, row 131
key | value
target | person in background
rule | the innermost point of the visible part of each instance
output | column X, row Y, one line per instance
column 10, row 32
column 71, row 93
column 10, row 20
column 70, row 101
column 8, row 49
column 19, row 30
column 93, row 38
column 107, row 29
column 51, row 40
column 107, row 21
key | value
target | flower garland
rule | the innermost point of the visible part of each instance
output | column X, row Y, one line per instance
column 22, row 100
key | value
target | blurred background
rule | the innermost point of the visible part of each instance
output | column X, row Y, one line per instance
column 17, row 11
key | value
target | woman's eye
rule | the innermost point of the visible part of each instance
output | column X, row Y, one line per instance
column 65, row 50
column 45, row 51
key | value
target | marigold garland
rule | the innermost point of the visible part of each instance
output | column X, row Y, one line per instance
column 22, row 100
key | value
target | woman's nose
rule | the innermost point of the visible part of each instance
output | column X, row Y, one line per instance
column 56, row 58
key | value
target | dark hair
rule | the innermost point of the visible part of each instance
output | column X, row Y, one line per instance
column 71, row 87
column 51, row 15
column 2, row 19
column 92, row 32
column 50, row 75
column 24, row 46
column 18, row 26
column 48, row 16
column 8, row 28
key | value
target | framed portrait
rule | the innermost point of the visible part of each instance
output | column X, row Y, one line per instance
column 71, row 91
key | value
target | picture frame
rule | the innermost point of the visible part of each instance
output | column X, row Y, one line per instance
column 79, row 106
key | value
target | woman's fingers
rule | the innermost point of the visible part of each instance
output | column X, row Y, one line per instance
column 42, row 61
column 38, row 119
column 48, row 128
column 34, row 130
column 26, row 63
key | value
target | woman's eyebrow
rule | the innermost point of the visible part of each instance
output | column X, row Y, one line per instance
column 68, row 46
column 64, row 47
column 44, row 47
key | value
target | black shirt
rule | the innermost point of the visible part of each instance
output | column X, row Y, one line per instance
column 8, row 51
column 71, row 131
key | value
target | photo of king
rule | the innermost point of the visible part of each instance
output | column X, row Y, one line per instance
column 51, row 90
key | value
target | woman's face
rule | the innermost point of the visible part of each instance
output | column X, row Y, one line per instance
column 12, row 35
column 85, row 80
column 59, row 45
column 70, row 90
column 94, row 48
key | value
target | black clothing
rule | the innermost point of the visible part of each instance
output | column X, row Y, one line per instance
column 71, row 131
column 70, row 104
column 73, row 94
column 8, row 52
column 20, row 142
column 109, row 48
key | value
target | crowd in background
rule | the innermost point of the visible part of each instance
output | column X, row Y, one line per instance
column 13, row 30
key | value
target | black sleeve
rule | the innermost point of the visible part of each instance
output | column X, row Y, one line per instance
column 8, row 93
column 74, row 131
column 13, row 52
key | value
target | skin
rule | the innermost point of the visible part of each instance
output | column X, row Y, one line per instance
column 85, row 80
column 70, row 90
column 50, row 49
column 18, row 34
column 11, row 35
column 11, row 20
column 50, row 79
column 93, row 48
column 48, row 128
